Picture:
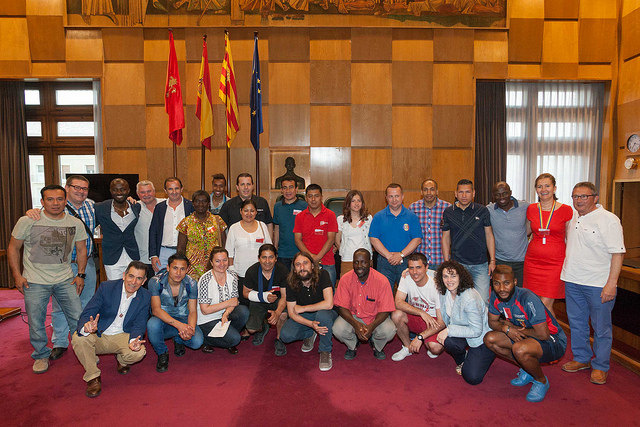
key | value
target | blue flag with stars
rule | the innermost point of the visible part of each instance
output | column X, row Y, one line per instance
column 255, row 103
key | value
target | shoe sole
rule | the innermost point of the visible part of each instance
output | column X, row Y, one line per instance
column 325, row 369
column 599, row 382
column 93, row 395
column 571, row 371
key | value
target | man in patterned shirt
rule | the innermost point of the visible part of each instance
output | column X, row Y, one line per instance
column 429, row 211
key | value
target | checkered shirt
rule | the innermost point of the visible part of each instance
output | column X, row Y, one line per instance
column 430, row 222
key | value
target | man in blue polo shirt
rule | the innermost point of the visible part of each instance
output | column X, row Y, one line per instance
column 510, row 228
column 467, row 236
column 395, row 233
column 284, row 218
column 524, row 331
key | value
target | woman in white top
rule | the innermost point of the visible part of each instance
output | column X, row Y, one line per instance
column 353, row 229
column 244, row 239
column 218, row 303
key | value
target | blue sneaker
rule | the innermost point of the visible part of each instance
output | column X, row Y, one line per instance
column 522, row 379
column 538, row 391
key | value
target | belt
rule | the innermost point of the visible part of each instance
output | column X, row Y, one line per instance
column 170, row 247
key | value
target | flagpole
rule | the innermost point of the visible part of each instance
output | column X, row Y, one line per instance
column 255, row 36
column 202, row 152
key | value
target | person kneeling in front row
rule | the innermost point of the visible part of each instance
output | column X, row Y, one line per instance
column 174, row 297
column 524, row 332
column 113, row 321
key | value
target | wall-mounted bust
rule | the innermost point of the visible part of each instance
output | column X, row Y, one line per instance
column 290, row 165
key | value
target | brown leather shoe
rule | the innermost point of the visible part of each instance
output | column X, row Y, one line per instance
column 122, row 369
column 94, row 387
column 574, row 366
column 599, row 377
column 233, row 350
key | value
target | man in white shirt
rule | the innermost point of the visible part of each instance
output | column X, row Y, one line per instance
column 114, row 321
column 417, row 310
column 595, row 250
column 147, row 193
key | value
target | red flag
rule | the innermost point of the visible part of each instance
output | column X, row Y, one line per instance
column 228, row 93
column 173, row 96
column 204, row 108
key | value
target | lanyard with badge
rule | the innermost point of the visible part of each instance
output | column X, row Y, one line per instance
column 544, row 230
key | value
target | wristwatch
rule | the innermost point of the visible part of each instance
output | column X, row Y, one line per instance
column 82, row 275
column 420, row 337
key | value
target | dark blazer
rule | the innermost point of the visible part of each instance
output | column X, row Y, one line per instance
column 114, row 239
column 156, row 230
column 106, row 301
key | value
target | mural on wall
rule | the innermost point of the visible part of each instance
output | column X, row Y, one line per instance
column 472, row 13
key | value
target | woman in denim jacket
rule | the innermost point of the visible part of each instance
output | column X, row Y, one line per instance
column 465, row 314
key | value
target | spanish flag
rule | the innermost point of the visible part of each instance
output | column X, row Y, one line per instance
column 204, row 109
column 173, row 96
column 228, row 93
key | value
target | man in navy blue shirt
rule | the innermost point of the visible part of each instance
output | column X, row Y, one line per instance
column 524, row 331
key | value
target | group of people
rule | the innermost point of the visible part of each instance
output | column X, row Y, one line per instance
column 473, row 280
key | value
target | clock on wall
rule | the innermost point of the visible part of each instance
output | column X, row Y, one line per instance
column 633, row 143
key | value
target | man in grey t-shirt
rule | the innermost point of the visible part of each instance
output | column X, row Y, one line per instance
column 48, row 243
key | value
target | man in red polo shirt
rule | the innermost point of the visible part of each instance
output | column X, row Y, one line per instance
column 315, row 231
column 364, row 300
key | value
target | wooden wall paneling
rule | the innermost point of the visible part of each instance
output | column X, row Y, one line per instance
column 191, row 134
column 451, row 45
column 524, row 71
column 526, row 9
column 243, row 159
column 289, row 44
column 124, row 84
column 156, row 44
column 410, row 44
column 190, row 78
column 155, row 80
column 412, row 82
column 627, row 116
column 243, row 72
column 412, row 126
column 560, row 49
column 330, row 126
column 629, row 215
column 375, row 200
column 265, row 173
column 289, row 125
column 604, row 9
column 329, row 48
column 127, row 161
column 243, row 137
column 331, row 167
column 597, row 40
column 490, row 70
column 159, row 163
column 595, row 72
column 453, row 126
column 46, row 38
column 124, row 126
column 630, row 34
column 371, row 83
column 123, row 44
column 629, row 6
column 13, row 8
column 330, row 82
column 628, row 83
column 453, row 84
column 84, row 45
column 410, row 166
column 277, row 159
column 525, row 39
column 371, row 44
column 215, row 161
column 490, row 54
column 49, row 69
column 371, row 125
column 289, row 83
column 46, row 7
column 84, row 68
column 450, row 166
column 371, row 169
column 16, row 54
column 565, row 9
column 215, row 44
column 157, row 127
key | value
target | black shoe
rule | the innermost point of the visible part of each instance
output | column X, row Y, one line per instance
column 233, row 350
column 377, row 354
column 57, row 353
column 163, row 362
column 281, row 349
column 178, row 349
column 258, row 337
column 208, row 349
column 350, row 354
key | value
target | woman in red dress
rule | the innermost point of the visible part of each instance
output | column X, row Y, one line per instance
column 545, row 254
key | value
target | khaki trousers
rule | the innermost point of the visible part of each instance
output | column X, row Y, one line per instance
column 86, row 349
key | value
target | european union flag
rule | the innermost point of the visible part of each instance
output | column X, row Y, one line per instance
column 256, row 99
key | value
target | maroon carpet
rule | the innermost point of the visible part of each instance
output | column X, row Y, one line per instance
column 256, row 388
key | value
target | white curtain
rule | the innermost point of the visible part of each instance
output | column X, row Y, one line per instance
column 553, row 127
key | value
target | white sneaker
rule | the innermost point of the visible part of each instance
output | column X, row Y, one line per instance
column 325, row 361
column 401, row 355
column 431, row 355
column 40, row 366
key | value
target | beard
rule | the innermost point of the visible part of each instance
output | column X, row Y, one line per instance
column 303, row 275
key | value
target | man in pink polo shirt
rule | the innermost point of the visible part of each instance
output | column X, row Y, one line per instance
column 315, row 231
column 364, row 300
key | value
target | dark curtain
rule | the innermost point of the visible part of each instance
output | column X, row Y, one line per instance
column 15, row 192
column 491, row 138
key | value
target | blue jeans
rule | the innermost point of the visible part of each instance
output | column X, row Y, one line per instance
column 583, row 302
column 294, row 331
column 163, row 256
column 331, row 269
column 477, row 360
column 393, row 273
column 480, row 275
column 60, row 335
column 36, row 299
column 158, row 332
column 238, row 319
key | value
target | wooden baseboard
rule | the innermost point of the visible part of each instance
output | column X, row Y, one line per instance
column 6, row 312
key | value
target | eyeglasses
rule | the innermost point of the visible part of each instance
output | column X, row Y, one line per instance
column 582, row 196
column 78, row 188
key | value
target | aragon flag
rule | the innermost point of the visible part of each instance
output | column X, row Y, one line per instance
column 228, row 93
column 173, row 96
column 204, row 108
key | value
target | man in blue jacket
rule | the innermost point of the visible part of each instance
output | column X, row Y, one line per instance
column 113, row 322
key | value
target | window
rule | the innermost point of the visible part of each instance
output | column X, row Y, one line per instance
column 61, row 131
column 553, row 127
